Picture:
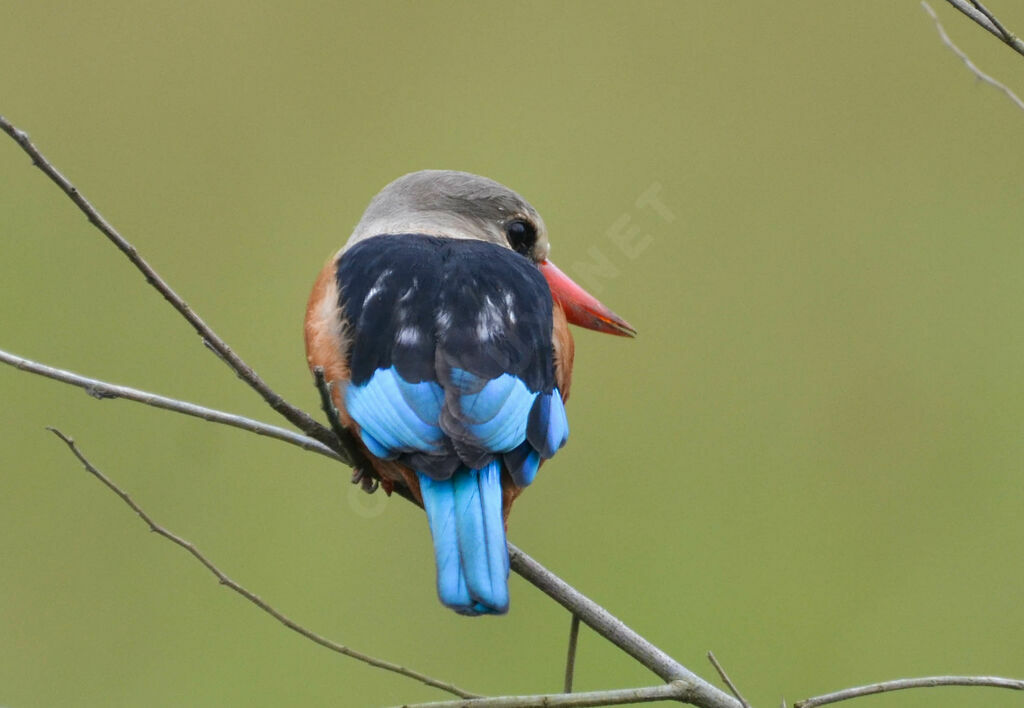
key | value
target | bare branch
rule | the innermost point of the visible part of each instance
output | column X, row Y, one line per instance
column 727, row 680
column 615, row 631
column 967, row 60
column 900, row 684
column 102, row 389
column 985, row 19
column 570, row 657
column 676, row 690
column 251, row 597
column 1006, row 36
column 296, row 416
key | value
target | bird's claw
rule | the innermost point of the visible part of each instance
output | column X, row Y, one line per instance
column 366, row 481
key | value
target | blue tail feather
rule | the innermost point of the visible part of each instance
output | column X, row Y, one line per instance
column 522, row 464
column 394, row 414
column 439, row 502
column 466, row 523
column 548, row 427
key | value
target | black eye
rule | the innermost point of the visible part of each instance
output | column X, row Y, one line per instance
column 521, row 236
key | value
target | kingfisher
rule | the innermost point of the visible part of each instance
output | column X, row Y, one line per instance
column 441, row 328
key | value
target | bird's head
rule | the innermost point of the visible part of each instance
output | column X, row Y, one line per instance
column 455, row 204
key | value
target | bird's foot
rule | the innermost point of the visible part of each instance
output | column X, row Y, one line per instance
column 367, row 481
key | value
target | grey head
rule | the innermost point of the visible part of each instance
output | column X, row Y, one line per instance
column 455, row 205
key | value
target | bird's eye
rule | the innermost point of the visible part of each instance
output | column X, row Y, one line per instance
column 522, row 236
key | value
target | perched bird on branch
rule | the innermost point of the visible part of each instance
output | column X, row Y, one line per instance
column 443, row 329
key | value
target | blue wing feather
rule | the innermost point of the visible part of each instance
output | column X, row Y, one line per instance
column 375, row 446
column 396, row 415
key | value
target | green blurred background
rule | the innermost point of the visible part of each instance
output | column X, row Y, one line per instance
column 809, row 461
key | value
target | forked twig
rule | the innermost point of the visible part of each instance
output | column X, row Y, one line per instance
column 251, row 597
column 987, row 21
column 615, row 630
column 1007, row 36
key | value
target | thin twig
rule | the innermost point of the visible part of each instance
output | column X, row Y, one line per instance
column 295, row 416
column 615, row 631
column 967, row 60
column 676, row 690
column 900, row 684
column 570, row 657
column 728, row 682
column 987, row 21
column 323, row 387
column 361, row 468
column 102, row 390
column 251, row 597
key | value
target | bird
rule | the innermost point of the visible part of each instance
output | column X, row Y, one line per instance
column 441, row 329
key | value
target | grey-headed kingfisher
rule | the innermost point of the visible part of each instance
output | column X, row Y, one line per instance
column 443, row 329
